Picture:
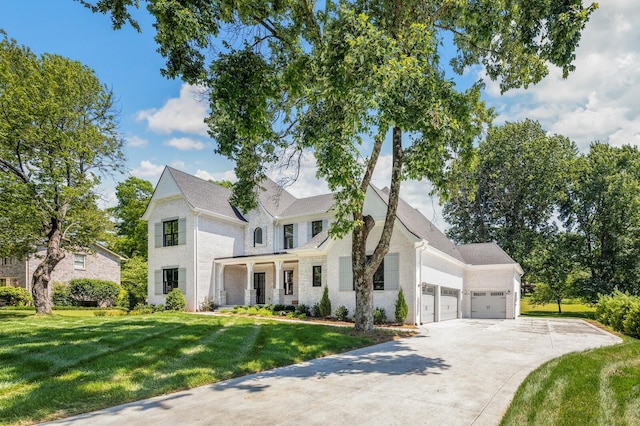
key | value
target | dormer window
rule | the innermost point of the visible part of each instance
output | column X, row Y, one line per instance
column 316, row 227
column 257, row 237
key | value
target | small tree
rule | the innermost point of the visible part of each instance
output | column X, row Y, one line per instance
column 134, row 280
column 402, row 310
column 176, row 300
column 325, row 304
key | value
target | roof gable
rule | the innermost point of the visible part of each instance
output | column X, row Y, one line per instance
column 484, row 254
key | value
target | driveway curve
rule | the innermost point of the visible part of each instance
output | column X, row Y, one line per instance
column 460, row 372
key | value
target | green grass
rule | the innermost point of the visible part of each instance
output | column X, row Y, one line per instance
column 596, row 387
column 57, row 366
column 570, row 309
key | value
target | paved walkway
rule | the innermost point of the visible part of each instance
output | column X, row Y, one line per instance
column 461, row 372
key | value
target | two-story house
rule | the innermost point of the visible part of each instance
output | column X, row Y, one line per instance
column 280, row 253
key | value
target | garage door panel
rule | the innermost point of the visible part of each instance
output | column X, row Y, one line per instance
column 448, row 304
column 488, row 304
column 428, row 304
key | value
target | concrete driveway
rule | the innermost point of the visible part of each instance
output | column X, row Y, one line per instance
column 460, row 372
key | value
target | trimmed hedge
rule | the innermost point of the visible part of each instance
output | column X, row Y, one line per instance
column 15, row 296
column 87, row 291
column 621, row 312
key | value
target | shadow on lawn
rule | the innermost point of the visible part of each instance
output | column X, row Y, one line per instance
column 587, row 315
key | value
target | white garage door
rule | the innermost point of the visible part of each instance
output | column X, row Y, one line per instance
column 428, row 303
column 488, row 304
column 448, row 304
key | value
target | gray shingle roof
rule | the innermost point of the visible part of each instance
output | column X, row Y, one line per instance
column 274, row 198
column 204, row 195
column 311, row 205
column 420, row 226
column 484, row 254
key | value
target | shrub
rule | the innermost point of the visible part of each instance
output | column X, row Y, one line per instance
column 208, row 304
column 15, row 296
column 87, row 291
column 303, row 309
column 342, row 313
column 632, row 321
column 315, row 310
column 612, row 309
column 379, row 316
column 302, row 316
column 175, row 300
column 325, row 303
column 61, row 296
column 402, row 310
column 134, row 280
column 160, row 307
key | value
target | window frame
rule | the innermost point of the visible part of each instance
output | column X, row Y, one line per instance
column 171, row 238
column 314, row 225
column 258, row 233
column 316, row 276
column 288, row 284
column 77, row 257
column 170, row 282
column 288, row 234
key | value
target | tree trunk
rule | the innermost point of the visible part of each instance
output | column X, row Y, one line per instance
column 363, row 268
column 42, row 274
column 559, row 302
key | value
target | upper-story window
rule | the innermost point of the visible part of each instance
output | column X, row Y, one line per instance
column 170, row 233
column 257, row 237
column 288, row 236
column 316, row 227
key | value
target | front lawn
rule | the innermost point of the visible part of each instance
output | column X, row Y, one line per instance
column 596, row 387
column 57, row 366
column 570, row 309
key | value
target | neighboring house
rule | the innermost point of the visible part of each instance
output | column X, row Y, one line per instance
column 100, row 263
column 280, row 253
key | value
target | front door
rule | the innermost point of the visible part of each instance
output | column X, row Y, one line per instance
column 258, row 285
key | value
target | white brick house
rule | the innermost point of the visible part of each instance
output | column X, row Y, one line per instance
column 280, row 253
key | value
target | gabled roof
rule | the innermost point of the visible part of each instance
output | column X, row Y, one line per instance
column 274, row 198
column 311, row 205
column 204, row 195
column 484, row 254
column 420, row 226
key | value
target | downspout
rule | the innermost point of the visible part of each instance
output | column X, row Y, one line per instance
column 196, row 224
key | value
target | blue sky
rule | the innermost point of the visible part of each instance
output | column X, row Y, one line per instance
column 161, row 119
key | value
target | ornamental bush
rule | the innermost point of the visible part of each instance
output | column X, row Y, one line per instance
column 87, row 291
column 632, row 320
column 402, row 310
column 176, row 301
column 325, row 304
column 61, row 296
column 342, row 313
column 612, row 309
column 379, row 316
column 14, row 296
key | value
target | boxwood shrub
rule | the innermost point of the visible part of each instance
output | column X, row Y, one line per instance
column 87, row 292
column 15, row 296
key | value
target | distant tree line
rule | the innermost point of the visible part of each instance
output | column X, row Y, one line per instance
column 572, row 220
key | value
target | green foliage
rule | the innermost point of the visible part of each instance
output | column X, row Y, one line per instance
column 133, row 196
column 342, row 313
column 379, row 316
column 402, row 310
column 631, row 322
column 87, row 290
column 14, row 296
column 175, row 300
column 133, row 278
column 324, row 308
column 208, row 304
column 613, row 310
column 303, row 309
column 61, row 295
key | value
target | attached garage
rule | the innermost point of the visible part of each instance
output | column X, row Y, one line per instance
column 488, row 304
column 448, row 304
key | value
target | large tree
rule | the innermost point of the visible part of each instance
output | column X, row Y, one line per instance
column 57, row 130
column 512, row 190
column 602, row 206
column 133, row 196
column 338, row 78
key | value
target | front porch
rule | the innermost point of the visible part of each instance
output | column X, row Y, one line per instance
column 257, row 280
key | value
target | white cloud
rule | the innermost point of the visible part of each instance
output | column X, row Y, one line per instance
column 598, row 101
column 148, row 170
column 136, row 142
column 186, row 144
column 183, row 114
column 177, row 164
column 228, row 175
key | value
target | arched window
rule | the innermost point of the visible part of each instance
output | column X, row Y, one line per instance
column 257, row 236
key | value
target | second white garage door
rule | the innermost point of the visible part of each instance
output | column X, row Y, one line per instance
column 448, row 304
column 488, row 304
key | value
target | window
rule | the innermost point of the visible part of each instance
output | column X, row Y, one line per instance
column 288, row 282
column 378, row 276
column 170, row 233
column 169, row 280
column 316, row 227
column 10, row 281
column 386, row 277
column 257, row 236
column 79, row 262
column 288, row 236
column 317, row 276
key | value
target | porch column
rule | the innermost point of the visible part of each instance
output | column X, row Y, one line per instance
column 278, row 291
column 222, row 294
column 249, row 293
